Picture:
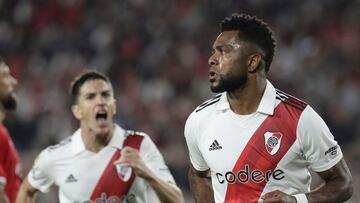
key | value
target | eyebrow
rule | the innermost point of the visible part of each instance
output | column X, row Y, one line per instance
column 93, row 92
column 106, row 91
column 221, row 46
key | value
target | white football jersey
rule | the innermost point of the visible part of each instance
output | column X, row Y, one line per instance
column 80, row 174
column 271, row 149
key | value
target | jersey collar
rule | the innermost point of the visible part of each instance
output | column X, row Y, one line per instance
column 267, row 103
column 116, row 141
column 118, row 137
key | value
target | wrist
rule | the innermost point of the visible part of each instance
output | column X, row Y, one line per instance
column 301, row 198
column 148, row 175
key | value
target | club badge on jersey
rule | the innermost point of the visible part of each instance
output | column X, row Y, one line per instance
column 272, row 142
column 123, row 172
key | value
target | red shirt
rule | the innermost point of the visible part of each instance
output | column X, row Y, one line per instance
column 9, row 165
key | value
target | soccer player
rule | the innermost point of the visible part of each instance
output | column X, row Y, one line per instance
column 256, row 142
column 9, row 160
column 101, row 162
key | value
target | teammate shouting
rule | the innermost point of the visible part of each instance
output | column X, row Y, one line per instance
column 101, row 162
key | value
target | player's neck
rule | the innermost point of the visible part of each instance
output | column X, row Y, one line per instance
column 246, row 100
column 95, row 142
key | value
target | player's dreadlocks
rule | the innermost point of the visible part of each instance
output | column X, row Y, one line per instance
column 254, row 30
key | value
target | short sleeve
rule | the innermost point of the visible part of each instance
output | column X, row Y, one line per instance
column 39, row 176
column 154, row 160
column 320, row 149
column 191, row 133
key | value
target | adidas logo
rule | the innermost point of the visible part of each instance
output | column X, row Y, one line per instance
column 215, row 146
column 70, row 179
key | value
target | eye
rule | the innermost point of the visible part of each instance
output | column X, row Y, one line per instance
column 106, row 94
column 225, row 49
column 90, row 96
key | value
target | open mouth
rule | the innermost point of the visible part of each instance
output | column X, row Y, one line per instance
column 212, row 76
column 101, row 116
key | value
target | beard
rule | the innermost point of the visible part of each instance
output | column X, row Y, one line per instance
column 229, row 83
column 9, row 102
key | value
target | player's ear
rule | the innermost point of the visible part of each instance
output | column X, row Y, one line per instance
column 76, row 111
column 254, row 62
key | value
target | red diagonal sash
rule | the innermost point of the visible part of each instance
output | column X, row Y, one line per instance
column 254, row 155
column 109, row 182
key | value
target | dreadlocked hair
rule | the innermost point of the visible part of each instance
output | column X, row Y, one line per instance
column 254, row 30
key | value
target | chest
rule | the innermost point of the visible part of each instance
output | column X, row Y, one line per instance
column 79, row 176
column 227, row 142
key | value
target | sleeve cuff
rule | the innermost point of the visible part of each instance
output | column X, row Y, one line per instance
column 197, row 166
column 33, row 183
column 301, row 198
column 328, row 165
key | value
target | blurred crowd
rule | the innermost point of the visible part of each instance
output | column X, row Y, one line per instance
column 156, row 53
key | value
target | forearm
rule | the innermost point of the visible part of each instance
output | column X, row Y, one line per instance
column 24, row 197
column 331, row 192
column 26, row 194
column 167, row 192
column 337, row 188
column 201, row 188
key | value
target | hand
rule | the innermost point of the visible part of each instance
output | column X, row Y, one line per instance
column 130, row 157
column 278, row 197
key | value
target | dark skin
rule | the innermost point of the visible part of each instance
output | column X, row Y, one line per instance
column 337, row 188
column 200, row 185
column 233, row 56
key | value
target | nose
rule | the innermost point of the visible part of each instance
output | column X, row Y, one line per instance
column 100, row 100
column 213, row 60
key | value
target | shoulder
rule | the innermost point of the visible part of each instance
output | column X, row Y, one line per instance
column 203, row 111
column 4, row 134
column 311, row 119
column 5, row 140
column 208, row 105
column 57, row 151
column 290, row 101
